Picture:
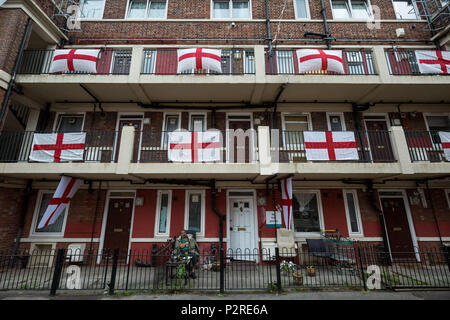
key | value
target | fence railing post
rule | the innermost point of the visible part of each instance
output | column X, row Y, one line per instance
column 112, row 283
column 57, row 271
column 278, row 270
column 363, row 275
column 154, row 251
column 222, row 270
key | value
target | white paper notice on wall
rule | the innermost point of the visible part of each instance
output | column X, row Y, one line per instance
column 273, row 219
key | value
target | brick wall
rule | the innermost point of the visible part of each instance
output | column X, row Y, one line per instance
column 11, row 201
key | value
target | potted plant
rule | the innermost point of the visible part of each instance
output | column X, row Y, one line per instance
column 311, row 271
column 298, row 278
column 287, row 266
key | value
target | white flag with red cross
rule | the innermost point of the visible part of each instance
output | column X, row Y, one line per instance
column 432, row 61
column 74, row 60
column 199, row 58
column 320, row 60
column 330, row 145
column 194, row 146
column 64, row 193
column 445, row 141
column 57, row 147
column 286, row 201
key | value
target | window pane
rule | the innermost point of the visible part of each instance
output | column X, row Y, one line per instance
column 301, row 9
column 340, row 10
column 198, row 123
column 70, row 123
column 195, row 211
column 55, row 227
column 163, row 213
column 157, row 10
column 240, row 9
column 352, row 213
column 360, row 10
column 404, row 9
column 137, row 9
column 221, row 9
column 170, row 126
column 306, row 212
column 92, row 8
column 285, row 61
column 438, row 123
column 335, row 123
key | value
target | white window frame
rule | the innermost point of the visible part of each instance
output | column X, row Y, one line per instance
column 349, row 5
column 341, row 115
column 35, row 221
column 81, row 4
column 193, row 114
column 158, row 211
column 165, row 114
column 283, row 124
column 357, row 211
column 308, row 13
column 147, row 11
column 319, row 208
column 431, row 114
column 230, row 17
column 186, row 211
column 58, row 115
column 416, row 11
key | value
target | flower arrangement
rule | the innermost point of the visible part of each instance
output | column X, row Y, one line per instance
column 287, row 267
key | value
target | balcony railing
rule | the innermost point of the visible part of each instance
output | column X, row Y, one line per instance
column 164, row 62
column 356, row 62
column 403, row 62
column 110, row 61
column 372, row 146
column 424, row 146
column 99, row 146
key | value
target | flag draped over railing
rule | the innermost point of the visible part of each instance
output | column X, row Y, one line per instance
column 198, row 58
column 57, row 147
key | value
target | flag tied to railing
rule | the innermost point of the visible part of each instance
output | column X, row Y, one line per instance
column 320, row 60
column 445, row 140
column 199, row 58
column 57, row 147
column 286, row 201
column 74, row 60
column 194, row 146
column 330, row 145
column 432, row 61
column 64, row 193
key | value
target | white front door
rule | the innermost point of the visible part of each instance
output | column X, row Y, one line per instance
column 242, row 229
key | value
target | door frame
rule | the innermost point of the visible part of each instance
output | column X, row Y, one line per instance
column 412, row 230
column 388, row 126
column 105, row 219
column 255, row 215
column 117, row 139
column 227, row 142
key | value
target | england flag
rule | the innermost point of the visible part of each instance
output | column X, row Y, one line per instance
column 57, row 147
column 432, row 61
column 194, row 146
column 198, row 58
column 445, row 141
column 74, row 60
column 320, row 60
column 330, row 145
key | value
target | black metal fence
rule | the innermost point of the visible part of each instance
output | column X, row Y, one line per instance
column 356, row 266
column 99, row 146
column 425, row 146
column 403, row 62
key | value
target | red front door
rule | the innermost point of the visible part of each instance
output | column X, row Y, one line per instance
column 399, row 233
column 379, row 141
column 241, row 150
column 117, row 232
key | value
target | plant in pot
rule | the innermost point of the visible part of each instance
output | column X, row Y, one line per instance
column 311, row 271
column 298, row 278
column 287, row 266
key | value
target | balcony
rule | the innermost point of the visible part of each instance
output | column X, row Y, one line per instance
column 403, row 62
column 425, row 146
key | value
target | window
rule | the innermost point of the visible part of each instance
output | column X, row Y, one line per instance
column 437, row 123
column 285, row 62
column 351, row 9
column 70, row 123
column 405, row 9
column 195, row 203
column 307, row 212
column 352, row 212
column 55, row 228
column 147, row 9
column 197, row 123
column 294, row 125
column 171, row 123
column 226, row 9
column 92, row 9
column 301, row 9
column 163, row 211
column 336, row 122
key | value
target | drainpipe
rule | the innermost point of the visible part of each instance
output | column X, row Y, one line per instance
column 221, row 219
column 269, row 38
column 355, row 110
column 14, row 73
column 275, row 104
column 325, row 24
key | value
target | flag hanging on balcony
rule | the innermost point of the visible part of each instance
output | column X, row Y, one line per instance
column 432, row 61
column 445, row 141
column 57, row 147
column 286, row 201
column 194, row 146
column 330, row 145
column 64, row 193
column 199, row 58
column 2, row 2
column 320, row 60
column 74, row 60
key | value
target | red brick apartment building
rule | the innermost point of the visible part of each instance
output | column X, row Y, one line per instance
column 397, row 194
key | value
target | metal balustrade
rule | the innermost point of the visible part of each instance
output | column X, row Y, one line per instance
column 403, row 62
column 424, row 146
column 356, row 62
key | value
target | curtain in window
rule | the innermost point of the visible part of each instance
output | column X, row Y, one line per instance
column 137, row 9
column 163, row 213
column 301, row 8
column 240, row 9
column 157, row 10
column 195, row 201
column 221, row 9
column 352, row 213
